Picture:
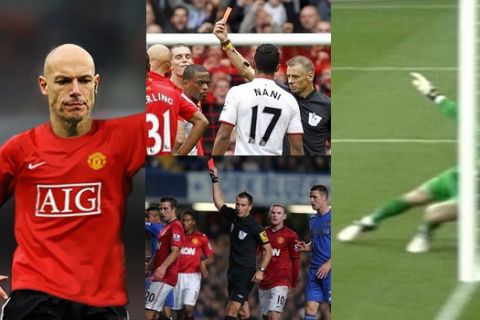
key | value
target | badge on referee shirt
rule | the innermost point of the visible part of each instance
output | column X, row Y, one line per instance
column 242, row 235
column 314, row 119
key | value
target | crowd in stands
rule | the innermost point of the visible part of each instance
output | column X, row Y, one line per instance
column 244, row 164
column 257, row 16
column 273, row 16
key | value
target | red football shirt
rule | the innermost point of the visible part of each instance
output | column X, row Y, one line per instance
column 194, row 246
column 164, row 104
column 69, row 207
column 172, row 235
column 283, row 268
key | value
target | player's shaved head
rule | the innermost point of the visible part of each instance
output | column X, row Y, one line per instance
column 67, row 54
column 302, row 61
column 160, row 58
column 70, row 83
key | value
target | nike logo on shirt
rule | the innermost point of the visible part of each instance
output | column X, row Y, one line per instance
column 32, row 166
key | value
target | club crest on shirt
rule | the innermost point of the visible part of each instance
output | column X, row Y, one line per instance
column 195, row 241
column 280, row 240
column 97, row 160
column 242, row 235
column 313, row 119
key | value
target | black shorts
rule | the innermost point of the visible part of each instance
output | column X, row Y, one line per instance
column 35, row 305
column 240, row 283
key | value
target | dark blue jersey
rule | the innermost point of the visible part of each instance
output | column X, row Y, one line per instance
column 320, row 233
column 154, row 229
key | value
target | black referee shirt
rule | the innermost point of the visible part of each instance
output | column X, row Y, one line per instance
column 245, row 236
column 315, row 113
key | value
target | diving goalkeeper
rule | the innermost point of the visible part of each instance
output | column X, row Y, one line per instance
column 440, row 192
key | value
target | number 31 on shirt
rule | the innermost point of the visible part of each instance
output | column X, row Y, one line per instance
column 162, row 143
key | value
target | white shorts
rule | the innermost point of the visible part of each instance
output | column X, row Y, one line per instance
column 187, row 289
column 156, row 295
column 273, row 299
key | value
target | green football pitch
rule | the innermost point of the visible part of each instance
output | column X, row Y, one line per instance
column 388, row 139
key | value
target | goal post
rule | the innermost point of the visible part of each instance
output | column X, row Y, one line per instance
column 241, row 39
column 468, row 240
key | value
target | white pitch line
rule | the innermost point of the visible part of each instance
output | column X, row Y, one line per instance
column 389, row 68
column 394, row 7
column 453, row 307
column 427, row 141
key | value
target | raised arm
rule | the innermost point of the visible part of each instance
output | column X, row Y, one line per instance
column 425, row 87
column 216, row 190
column 238, row 61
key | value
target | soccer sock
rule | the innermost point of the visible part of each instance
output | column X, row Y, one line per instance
column 310, row 317
column 392, row 208
column 427, row 228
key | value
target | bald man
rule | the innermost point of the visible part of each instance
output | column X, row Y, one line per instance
column 70, row 178
column 166, row 105
column 160, row 59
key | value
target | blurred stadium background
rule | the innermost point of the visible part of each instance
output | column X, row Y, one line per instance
column 387, row 140
column 113, row 32
column 270, row 180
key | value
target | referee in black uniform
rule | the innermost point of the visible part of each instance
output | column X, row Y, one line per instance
column 314, row 106
column 245, row 236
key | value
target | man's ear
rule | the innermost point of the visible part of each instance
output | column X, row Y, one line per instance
column 42, row 83
column 96, row 79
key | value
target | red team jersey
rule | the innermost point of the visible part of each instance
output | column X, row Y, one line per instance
column 69, row 207
column 165, row 102
column 194, row 246
column 283, row 268
column 172, row 235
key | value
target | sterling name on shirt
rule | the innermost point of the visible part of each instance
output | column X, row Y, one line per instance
column 274, row 94
column 159, row 97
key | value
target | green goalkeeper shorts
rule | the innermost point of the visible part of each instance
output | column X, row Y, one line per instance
column 443, row 186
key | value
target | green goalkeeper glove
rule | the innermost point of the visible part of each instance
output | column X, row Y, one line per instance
column 425, row 87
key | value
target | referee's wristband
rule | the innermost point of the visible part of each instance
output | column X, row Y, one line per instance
column 227, row 45
column 214, row 179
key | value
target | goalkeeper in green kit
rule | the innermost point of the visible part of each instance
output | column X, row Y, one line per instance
column 440, row 192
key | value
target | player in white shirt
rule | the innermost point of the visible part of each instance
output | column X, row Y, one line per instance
column 262, row 112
